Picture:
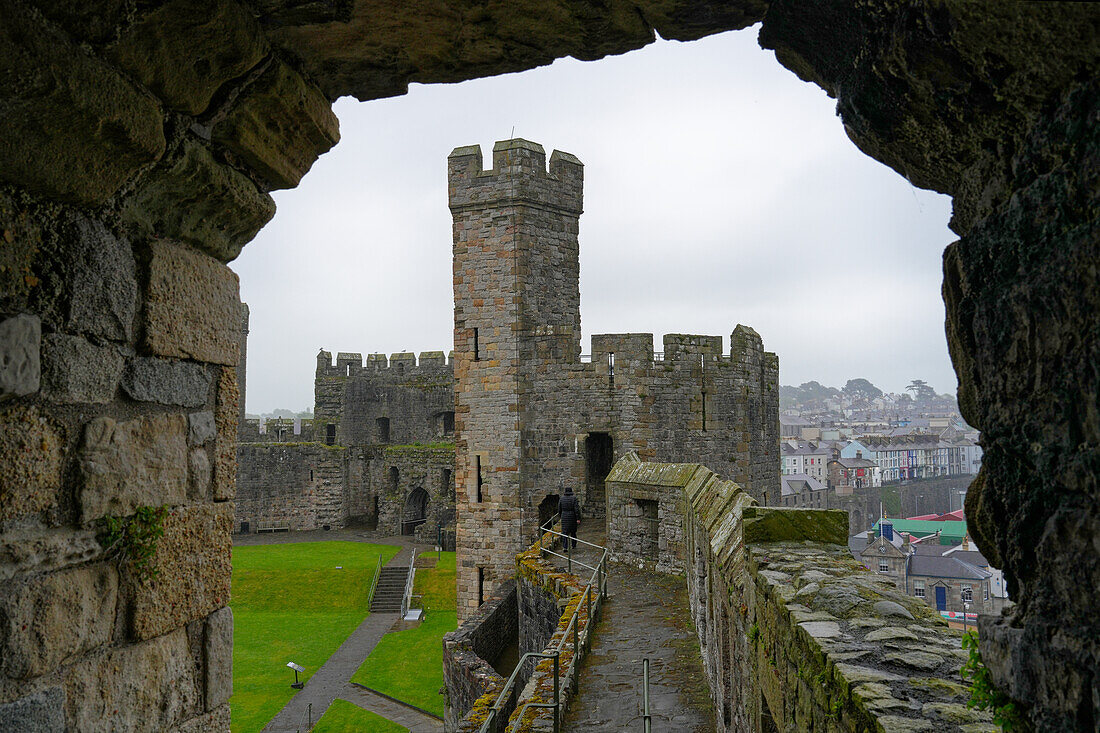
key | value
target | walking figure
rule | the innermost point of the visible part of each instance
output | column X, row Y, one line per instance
column 570, row 517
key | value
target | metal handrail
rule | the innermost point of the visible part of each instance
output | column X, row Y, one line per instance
column 597, row 579
column 409, row 575
column 374, row 581
column 498, row 704
column 647, row 719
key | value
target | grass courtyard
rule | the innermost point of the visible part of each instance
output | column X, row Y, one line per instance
column 345, row 717
column 408, row 665
column 291, row 604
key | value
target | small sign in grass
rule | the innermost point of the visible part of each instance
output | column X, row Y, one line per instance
column 408, row 665
column 291, row 604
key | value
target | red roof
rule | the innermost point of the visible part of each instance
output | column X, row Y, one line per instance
column 955, row 516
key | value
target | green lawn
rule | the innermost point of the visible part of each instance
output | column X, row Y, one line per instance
column 291, row 604
column 408, row 665
column 343, row 717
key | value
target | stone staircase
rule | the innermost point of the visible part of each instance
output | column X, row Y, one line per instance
column 390, row 590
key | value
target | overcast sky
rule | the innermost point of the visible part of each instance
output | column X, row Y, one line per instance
column 719, row 189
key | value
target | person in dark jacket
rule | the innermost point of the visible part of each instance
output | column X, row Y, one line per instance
column 570, row 516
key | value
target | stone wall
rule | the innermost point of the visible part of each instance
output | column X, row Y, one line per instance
column 797, row 635
column 418, row 468
column 650, row 536
column 117, row 392
column 471, row 651
column 301, row 485
column 411, row 397
column 307, row 486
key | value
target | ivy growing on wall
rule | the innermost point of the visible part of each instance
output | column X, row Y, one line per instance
column 133, row 539
column 984, row 695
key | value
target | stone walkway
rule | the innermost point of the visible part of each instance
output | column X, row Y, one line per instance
column 645, row 615
column 331, row 681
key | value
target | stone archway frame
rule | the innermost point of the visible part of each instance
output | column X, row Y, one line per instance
column 127, row 124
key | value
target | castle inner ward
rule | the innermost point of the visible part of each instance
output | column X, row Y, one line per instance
column 516, row 414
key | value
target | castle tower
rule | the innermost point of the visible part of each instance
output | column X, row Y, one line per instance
column 517, row 307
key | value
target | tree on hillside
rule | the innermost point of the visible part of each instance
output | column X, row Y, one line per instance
column 922, row 392
column 812, row 390
column 861, row 389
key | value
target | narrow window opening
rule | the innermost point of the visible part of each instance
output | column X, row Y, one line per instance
column 445, row 483
column 347, row 370
column 480, row 478
column 611, row 369
column 477, row 347
column 703, row 389
column 311, row 474
column 383, row 426
column 448, row 423
column 480, row 585
column 330, row 434
column 395, row 478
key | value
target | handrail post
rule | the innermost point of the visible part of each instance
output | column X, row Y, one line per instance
column 647, row 719
column 569, row 553
column 557, row 699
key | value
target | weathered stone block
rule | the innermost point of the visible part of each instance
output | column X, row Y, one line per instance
column 42, row 712
column 42, row 550
column 193, row 567
column 167, row 381
column 280, row 126
column 54, row 617
column 195, row 199
column 20, row 368
column 74, row 370
column 103, row 284
column 141, row 687
column 185, row 50
column 200, row 473
column 226, row 413
column 30, row 462
column 200, row 427
column 125, row 465
column 769, row 524
column 192, row 307
column 216, row 721
column 218, row 651
column 74, row 127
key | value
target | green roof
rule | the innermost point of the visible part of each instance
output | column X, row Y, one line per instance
column 950, row 532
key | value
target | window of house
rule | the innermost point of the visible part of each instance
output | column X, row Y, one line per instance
column 918, row 588
column 985, row 593
column 883, row 566
column 967, row 594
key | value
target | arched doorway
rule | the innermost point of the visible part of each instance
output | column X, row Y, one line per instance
column 416, row 510
column 548, row 508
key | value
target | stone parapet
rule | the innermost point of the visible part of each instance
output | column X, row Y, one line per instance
column 469, row 654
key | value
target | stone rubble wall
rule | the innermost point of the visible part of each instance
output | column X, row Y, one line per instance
column 301, row 485
column 469, row 654
column 306, row 486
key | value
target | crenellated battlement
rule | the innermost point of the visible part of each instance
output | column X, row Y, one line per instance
column 746, row 347
column 519, row 175
column 401, row 363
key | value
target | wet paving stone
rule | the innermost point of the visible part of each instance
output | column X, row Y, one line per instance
column 646, row 616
